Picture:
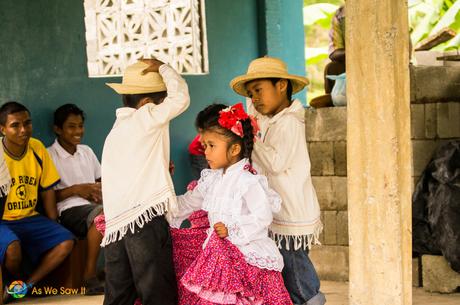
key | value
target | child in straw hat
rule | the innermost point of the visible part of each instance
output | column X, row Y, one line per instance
column 137, row 188
column 282, row 156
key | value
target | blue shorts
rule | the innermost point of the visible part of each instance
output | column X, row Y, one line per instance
column 37, row 234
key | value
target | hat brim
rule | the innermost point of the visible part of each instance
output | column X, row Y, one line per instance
column 127, row 89
column 238, row 83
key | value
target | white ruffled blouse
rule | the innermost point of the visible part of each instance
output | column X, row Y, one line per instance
column 244, row 203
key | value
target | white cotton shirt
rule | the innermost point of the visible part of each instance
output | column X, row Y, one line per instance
column 282, row 155
column 81, row 167
column 244, row 203
column 136, row 184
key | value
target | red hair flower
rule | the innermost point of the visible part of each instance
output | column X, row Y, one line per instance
column 230, row 118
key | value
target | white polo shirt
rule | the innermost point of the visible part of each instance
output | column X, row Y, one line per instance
column 81, row 167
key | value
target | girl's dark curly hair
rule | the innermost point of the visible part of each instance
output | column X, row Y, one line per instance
column 207, row 120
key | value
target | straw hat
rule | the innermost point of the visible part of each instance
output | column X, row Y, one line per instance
column 267, row 67
column 136, row 83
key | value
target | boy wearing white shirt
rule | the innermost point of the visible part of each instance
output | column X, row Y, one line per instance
column 78, row 194
column 281, row 154
column 137, row 188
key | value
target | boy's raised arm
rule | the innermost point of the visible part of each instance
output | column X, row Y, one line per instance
column 177, row 99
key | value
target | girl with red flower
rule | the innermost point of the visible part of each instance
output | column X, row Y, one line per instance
column 239, row 263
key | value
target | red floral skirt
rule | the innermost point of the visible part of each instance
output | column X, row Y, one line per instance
column 221, row 275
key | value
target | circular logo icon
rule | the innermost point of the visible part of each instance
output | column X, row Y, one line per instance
column 21, row 192
column 18, row 289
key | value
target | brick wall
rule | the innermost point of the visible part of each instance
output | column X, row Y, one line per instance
column 326, row 131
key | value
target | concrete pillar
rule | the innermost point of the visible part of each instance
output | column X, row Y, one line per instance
column 281, row 34
column 379, row 150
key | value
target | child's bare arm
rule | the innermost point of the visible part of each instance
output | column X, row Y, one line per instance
column 49, row 204
column 88, row 191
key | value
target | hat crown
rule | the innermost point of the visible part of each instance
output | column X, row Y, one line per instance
column 267, row 65
column 134, row 82
column 133, row 76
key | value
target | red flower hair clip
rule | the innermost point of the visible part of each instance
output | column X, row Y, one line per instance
column 230, row 118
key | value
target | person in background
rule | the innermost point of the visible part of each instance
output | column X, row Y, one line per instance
column 197, row 159
column 336, row 48
column 33, row 177
column 78, row 194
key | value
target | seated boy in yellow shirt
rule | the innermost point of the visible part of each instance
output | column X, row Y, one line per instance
column 32, row 174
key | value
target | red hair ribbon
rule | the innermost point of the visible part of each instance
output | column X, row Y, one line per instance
column 250, row 169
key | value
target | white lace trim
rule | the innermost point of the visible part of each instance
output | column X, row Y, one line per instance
column 253, row 258
column 264, row 262
column 207, row 178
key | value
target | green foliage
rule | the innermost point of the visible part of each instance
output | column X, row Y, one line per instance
column 319, row 14
column 317, row 58
column 317, row 21
column 335, row 2
column 428, row 17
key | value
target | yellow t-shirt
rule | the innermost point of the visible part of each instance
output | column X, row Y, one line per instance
column 34, row 172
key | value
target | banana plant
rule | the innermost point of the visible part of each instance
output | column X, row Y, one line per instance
column 317, row 15
column 428, row 17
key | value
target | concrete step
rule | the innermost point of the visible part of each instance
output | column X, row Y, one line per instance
column 438, row 276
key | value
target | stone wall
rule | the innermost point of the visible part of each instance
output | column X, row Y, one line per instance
column 326, row 131
column 431, row 125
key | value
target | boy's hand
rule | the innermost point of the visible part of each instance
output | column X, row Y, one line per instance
column 90, row 191
column 97, row 192
column 221, row 230
column 172, row 167
column 154, row 65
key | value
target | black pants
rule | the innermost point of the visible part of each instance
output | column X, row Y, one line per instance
column 141, row 265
